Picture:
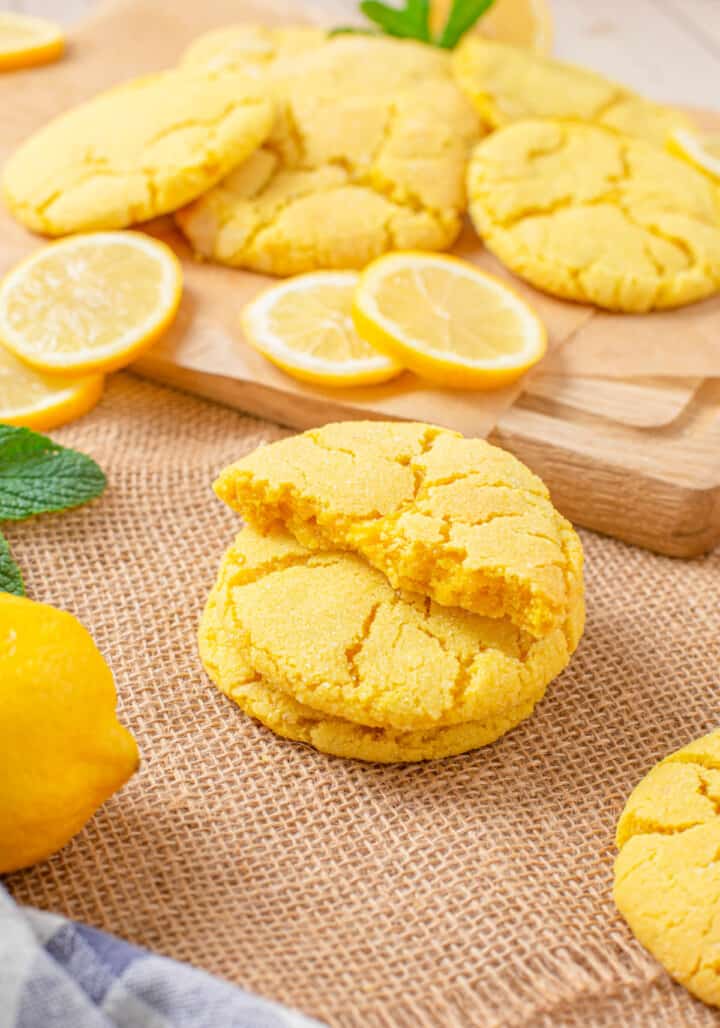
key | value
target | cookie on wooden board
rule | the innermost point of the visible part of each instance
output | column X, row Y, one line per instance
column 591, row 215
column 368, row 154
column 136, row 151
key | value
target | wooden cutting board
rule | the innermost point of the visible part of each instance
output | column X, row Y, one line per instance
column 636, row 458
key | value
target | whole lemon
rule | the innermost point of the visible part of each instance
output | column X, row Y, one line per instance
column 62, row 750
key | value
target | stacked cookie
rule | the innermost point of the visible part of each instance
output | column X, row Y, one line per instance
column 279, row 150
column 400, row 593
column 367, row 154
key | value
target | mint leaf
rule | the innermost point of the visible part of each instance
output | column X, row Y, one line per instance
column 10, row 576
column 38, row 476
column 463, row 15
column 409, row 22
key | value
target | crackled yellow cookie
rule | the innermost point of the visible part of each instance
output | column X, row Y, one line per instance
column 367, row 154
column 320, row 648
column 243, row 46
column 508, row 84
column 667, row 875
column 329, row 630
column 590, row 215
column 137, row 151
column 443, row 516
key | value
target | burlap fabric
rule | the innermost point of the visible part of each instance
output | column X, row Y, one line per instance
column 476, row 891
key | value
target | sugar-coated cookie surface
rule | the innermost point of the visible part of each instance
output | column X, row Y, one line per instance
column 508, row 84
column 667, row 875
column 319, row 648
column 137, row 151
column 368, row 153
column 329, row 630
column 591, row 215
column 455, row 519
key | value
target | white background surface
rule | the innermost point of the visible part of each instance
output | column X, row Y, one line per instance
column 668, row 49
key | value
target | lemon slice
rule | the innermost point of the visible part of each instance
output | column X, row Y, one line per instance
column 304, row 325
column 25, row 41
column 90, row 302
column 702, row 151
column 447, row 321
column 524, row 23
column 39, row 401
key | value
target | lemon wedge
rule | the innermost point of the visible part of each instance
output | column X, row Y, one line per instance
column 304, row 325
column 702, row 151
column 523, row 23
column 89, row 303
column 25, row 41
column 39, row 401
column 447, row 321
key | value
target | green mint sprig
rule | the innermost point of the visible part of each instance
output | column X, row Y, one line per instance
column 464, row 14
column 11, row 580
column 412, row 20
column 38, row 476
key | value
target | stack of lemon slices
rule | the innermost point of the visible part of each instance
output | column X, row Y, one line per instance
column 434, row 315
column 74, row 311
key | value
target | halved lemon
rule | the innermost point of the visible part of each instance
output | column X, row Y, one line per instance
column 304, row 325
column 25, row 41
column 34, row 400
column 525, row 23
column 702, row 151
column 447, row 321
column 89, row 303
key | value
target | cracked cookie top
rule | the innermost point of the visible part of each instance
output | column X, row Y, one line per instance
column 455, row 519
column 136, row 151
column 244, row 45
column 330, row 631
column 506, row 83
column 591, row 215
column 368, row 154
column 667, row 875
column 228, row 654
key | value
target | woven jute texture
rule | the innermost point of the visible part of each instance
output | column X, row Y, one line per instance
column 475, row 891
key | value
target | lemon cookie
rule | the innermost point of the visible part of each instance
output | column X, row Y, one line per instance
column 667, row 875
column 590, row 215
column 508, row 84
column 385, row 677
column 329, row 630
column 368, row 153
column 447, row 517
column 243, row 46
column 137, row 151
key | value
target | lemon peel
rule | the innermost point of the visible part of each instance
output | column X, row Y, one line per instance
column 64, row 752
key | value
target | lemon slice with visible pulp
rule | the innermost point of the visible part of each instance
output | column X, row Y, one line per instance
column 702, row 151
column 304, row 325
column 447, row 321
column 89, row 303
column 39, row 401
column 25, row 41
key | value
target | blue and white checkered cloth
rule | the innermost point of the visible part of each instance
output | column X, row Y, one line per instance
column 58, row 974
